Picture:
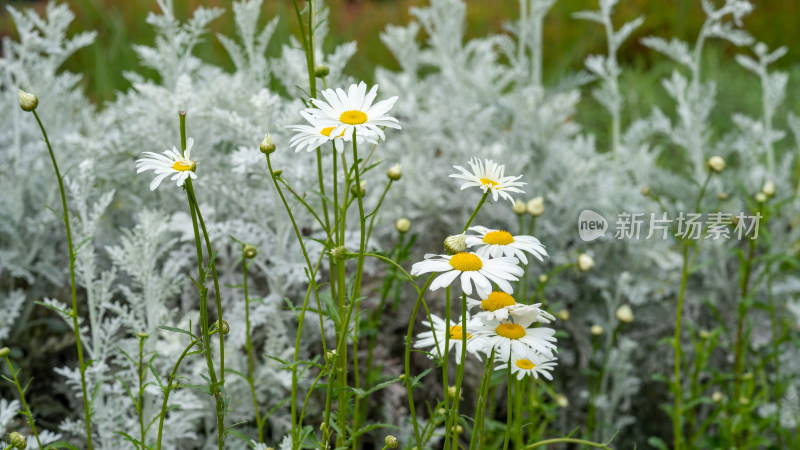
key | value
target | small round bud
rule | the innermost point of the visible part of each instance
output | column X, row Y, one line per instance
column 761, row 197
column 716, row 397
column 543, row 278
column 27, row 101
column 625, row 314
column 143, row 335
column 535, row 206
column 402, row 225
column 267, row 146
column 716, row 163
column 225, row 327
column 451, row 391
column 4, row 352
column 458, row 429
column 277, row 173
column 744, row 400
column 321, row 71
column 395, row 172
column 596, row 330
column 441, row 411
column 359, row 190
column 585, row 262
column 17, row 440
column 175, row 384
column 769, row 188
column 391, row 441
column 455, row 244
column 704, row 334
column 563, row 314
column 330, row 356
column 645, row 190
column 722, row 195
column 339, row 253
column 323, row 427
column 520, row 208
column 561, row 400
column 249, row 252
column 747, row 376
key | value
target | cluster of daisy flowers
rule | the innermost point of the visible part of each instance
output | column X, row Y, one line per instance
column 502, row 327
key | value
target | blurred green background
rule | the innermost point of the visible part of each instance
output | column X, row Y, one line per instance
column 122, row 23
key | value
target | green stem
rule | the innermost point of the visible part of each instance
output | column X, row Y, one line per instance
column 742, row 311
column 249, row 347
column 480, row 409
column 140, row 395
column 407, row 358
column 357, row 284
column 460, row 368
column 521, row 389
column 28, row 414
column 448, row 430
column 677, row 420
column 475, row 212
column 509, row 406
column 87, row 413
column 167, row 390
column 375, row 211
column 568, row 441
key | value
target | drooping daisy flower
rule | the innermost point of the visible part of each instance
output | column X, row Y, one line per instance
column 435, row 338
column 489, row 175
column 500, row 306
column 170, row 163
column 471, row 268
column 523, row 367
column 353, row 110
column 494, row 243
column 508, row 338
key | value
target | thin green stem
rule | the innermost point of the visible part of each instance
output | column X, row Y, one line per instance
column 377, row 207
column 460, row 368
column 480, row 408
column 87, row 413
column 475, row 212
column 568, row 441
column 521, row 389
column 407, row 358
column 28, row 414
column 248, row 345
column 445, row 362
column 509, row 406
column 140, row 395
column 167, row 390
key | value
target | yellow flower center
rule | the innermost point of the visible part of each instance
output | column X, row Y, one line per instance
column 327, row 132
column 353, row 117
column 498, row 238
column 183, row 166
column 497, row 300
column 456, row 333
column 466, row 262
column 525, row 364
column 488, row 182
column 510, row 330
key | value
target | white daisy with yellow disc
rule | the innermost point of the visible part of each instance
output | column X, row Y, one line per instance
column 353, row 110
column 489, row 176
column 517, row 338
column 310, row 137
column 171, row 163
column 495, row 243
column 435, row 338
column 471, row 268
column 523, row 367
column 500, row 306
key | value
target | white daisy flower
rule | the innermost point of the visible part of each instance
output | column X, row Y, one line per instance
column 494, row 243
column 353, row 110
column 523, row 367
column 311, row 137
column 471, row 268
column 508, row 338
column 500, row 306
column 489, row 175
column 170, row 163
column 435, row 338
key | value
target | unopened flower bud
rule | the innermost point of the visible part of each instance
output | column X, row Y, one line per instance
column 704, row 334
column 543, row 278
column 535, row 206
column 225, row 327
column 716, row 163
column 451, row 391
column 4, row 352
column 458, row 429
column 744, row 400
column 249, row 252
column 402, row 225
column 330, row 356
column 455, row 244
column 339, row 253
column 563, row 314
column 585, row 262
column 722, row 195
column 625, row 314
column 716, row 397
column 277, row 173
column 391, row 441
column 561, row 400
column 321, row 71
column 645, row 190
column 761, row 197
column 769, row 188
column 520, row 208
column 359, row 190
column 267, row 146
column 143, row 335
column 27, row 101
column 395, row 172
column 596, row 330
column 747, row 376
column 15, row 439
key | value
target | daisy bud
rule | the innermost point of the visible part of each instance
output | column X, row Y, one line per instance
column 716, row 397
column 451, row 391
column 769, row 188
column 561, row 400
column 747, row 376
column 249, row 252
column 402, row 225
column 520, row 208
column 321, row 71
column 323, row 427
column 596, row 330
column 722, row 195
column 563, row 314
column 441, row 411
column 359, row 191
column 742, row 400
column 455, row 244
column 625, row 314
column 458, row 429
column 142, row 335
column 391, row 442
column 543, row 278
column 645, row 190
column 15, row 439
column 175, row 384
column 267, row 146
column 536, row 206
column 330, row 356
column 4, row 352
column 339, row 253
column 395, row 172
column 716, row 163
column 585, row 262
column 27, row 101
column 277, row 173
column 761, row 197
column 704, row 334
column 225, row 327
